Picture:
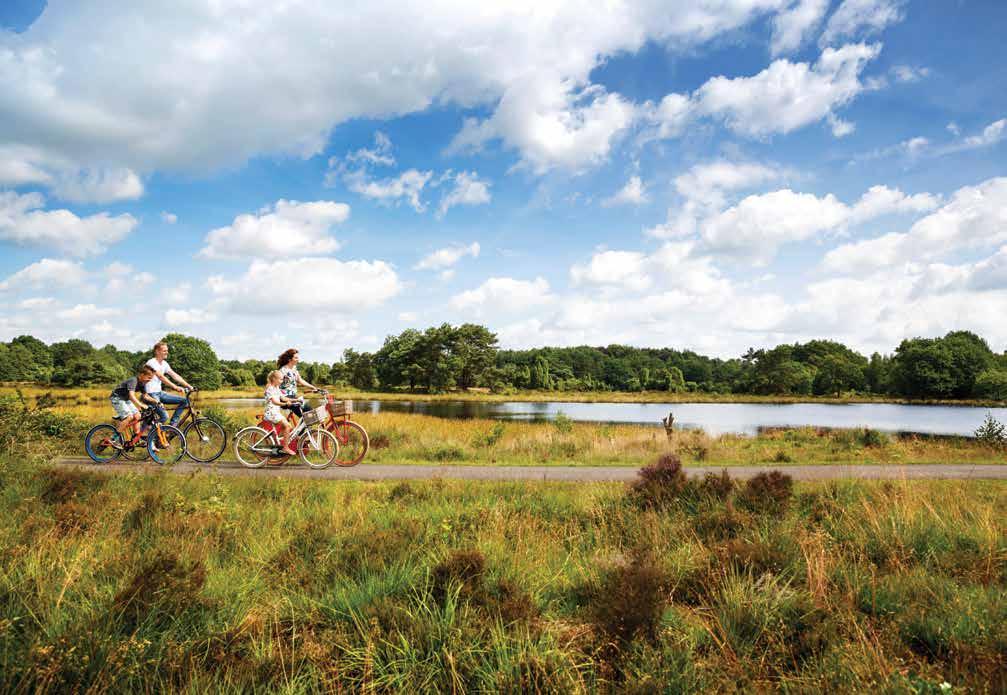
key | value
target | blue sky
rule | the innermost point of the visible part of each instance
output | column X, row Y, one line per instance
column 706, row 175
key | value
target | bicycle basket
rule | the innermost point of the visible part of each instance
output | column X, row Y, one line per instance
column 313, row 417
column 340, row 408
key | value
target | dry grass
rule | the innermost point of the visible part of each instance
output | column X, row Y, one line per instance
column 209, row 584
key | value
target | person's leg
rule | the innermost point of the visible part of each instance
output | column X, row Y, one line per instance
column 162, row 414
column 175, row 400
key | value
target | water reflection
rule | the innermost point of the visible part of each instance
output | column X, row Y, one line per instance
column 714, row 418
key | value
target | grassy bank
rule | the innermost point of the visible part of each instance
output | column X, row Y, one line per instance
column 84, row 395
column 398, row 438
column 127, row 583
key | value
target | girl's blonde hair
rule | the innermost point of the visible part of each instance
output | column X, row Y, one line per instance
column 275, row 375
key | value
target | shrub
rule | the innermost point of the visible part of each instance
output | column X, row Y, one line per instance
column 992, row 432
column 717, row 486
column 629, row 600
column 782, row 457
column 562, row 423
column 163, row 587
column 660, row 484
column 721, row 522
column 873, row 438
column 767, row 493
column 66, row 485
column 446, row 452
column 490, row 438
column 464, row 569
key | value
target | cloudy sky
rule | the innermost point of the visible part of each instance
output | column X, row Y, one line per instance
column 705, row 174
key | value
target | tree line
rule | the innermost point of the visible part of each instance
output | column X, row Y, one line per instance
column 959, row 365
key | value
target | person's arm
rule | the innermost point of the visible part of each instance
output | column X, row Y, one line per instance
column 178, row 378
column 137, row 400
column 302, row 382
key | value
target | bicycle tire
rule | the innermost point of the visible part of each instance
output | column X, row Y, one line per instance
column 353, row 442
column 106, row 449
column 195, row 436
column 166, row 456
column 244, row 441
column 328, row 448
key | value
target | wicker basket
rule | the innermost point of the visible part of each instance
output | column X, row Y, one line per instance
column 339, row 408
column 313, row 417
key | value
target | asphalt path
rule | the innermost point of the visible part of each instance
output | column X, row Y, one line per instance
column 365, row 471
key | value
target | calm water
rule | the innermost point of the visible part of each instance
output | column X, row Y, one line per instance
column 714, row 418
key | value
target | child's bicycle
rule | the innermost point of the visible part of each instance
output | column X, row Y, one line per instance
column 315, row 445
column 164, row 444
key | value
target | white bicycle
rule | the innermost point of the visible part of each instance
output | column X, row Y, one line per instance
column 315, row 445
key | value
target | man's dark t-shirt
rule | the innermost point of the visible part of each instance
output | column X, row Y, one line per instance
column 122, row 390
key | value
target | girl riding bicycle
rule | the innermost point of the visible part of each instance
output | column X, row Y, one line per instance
column 272, row 414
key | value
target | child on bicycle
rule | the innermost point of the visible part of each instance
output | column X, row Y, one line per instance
column 127, row 404
column 274, row 400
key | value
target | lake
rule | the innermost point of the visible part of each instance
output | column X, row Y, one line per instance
column 713, row 418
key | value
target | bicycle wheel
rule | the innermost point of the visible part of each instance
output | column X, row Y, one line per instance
column 103, row 443
column 353, row 442
column 167, row 446
column 206, row 439
column 318, row 448
column 251, row 447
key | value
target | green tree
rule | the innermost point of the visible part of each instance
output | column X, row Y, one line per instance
column 970, row 356
column 923, row 368
column 475, row 348
column 837, row 373
column 63, row 352
column 877, row 373
column 41, row 356
column 360, row 367
column 238, row 377
column 90, row 370
column 195, row 360
column 674, row 380
column 992, row 384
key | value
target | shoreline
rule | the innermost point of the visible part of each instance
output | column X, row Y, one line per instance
column 101, row 392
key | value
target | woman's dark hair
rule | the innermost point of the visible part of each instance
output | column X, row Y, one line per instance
column 285, row 358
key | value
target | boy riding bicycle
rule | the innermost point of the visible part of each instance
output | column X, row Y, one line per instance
column 127, row 405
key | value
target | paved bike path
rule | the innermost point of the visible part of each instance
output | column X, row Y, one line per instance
column 366, row 471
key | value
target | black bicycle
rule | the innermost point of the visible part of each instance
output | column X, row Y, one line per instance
column 205, row 436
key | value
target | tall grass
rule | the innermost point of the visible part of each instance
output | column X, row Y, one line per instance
column 126, row 583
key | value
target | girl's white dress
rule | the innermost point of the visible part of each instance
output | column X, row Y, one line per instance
column 272, row 412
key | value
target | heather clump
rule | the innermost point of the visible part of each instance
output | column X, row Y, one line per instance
column 661, row 484
column 767, row 493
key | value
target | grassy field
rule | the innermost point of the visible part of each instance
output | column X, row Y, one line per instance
column 418, row 439
column 84, row 395
column 203, row 584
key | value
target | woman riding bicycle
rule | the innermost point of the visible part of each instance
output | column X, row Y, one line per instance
column 291, row 378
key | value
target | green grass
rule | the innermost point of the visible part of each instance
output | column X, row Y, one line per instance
column 138, row 583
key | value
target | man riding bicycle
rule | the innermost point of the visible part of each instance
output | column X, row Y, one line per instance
column 162, row 370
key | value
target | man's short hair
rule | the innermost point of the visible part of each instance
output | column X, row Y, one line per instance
column 158, row 344
column 144, row 371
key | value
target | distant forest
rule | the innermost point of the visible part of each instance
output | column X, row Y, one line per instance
column 959, row 365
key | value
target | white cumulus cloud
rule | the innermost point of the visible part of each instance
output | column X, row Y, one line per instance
column 447, row 257
column 23, row 222
column 633, row 193
column 304, row 285
column 794, row 26
column 466, row 189
column 861, row 17
column 47, row 272
column 288, row 228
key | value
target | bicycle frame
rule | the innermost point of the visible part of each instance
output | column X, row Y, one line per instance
column 274, row 437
